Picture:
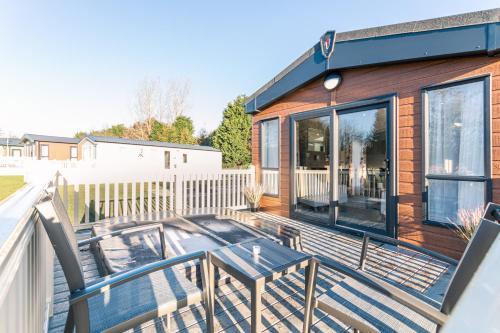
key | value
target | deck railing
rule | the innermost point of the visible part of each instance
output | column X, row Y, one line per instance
column 89, row 201
column 26, row 264
column 26, row 254
column 312, row 182
column 270, row 181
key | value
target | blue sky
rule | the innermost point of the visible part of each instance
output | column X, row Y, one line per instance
column 67, row 66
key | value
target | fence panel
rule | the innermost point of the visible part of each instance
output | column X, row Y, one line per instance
column 90, row 202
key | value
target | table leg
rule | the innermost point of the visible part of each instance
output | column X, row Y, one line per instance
column 256, row 300
column 310, row 279
column 211, row 296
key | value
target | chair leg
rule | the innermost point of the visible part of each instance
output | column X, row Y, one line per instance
column 310, row 278
column 70, row 322
column 208, row 284
column 168, row 322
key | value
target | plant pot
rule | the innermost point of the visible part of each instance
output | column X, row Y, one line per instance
column 254, row 207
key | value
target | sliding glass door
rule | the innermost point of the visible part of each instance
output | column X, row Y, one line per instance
column 362, row 168
column 341, row 166
column 312, row 183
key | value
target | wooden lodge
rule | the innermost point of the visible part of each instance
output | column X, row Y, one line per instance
column 393, row 129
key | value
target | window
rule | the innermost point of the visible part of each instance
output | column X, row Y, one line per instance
column 44, row 152
column 167, row 159
column 15, row 152
column 270, row 138
column 457, row 149
column 184, row 158
column 269, row 132
column 73, row 152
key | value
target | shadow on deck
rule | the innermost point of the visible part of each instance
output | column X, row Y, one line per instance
column 283, row 299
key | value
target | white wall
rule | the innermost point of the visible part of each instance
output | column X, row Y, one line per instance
column 123, row 161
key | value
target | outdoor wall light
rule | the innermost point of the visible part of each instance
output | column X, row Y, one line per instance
column 332, row 81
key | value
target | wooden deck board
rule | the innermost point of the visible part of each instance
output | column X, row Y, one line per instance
column 283, row 300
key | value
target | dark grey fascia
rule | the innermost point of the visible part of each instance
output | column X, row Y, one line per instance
column 425, row 45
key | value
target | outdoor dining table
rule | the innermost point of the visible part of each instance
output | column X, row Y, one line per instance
column 273, row 262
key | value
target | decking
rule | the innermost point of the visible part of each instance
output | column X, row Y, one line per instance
column 283, row 300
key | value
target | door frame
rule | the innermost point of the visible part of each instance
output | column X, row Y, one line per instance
column 391, row 102
column 294, row 118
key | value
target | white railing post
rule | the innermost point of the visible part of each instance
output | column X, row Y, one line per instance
column 125, row 199
column 106, row 200
column 180, row 195
column 252, row 175
column 141, row 199
column 26, row 259
column 65, row 192
column 116, row 197
column 76, row 203
column 133, row 207
column 97, row 201
column 87, row 203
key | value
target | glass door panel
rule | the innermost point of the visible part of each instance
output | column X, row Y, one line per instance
column 312, row 168
column 362, row 142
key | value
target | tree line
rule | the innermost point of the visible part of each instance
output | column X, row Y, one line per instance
column 159, row 112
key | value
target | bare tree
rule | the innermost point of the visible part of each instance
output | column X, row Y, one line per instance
column 156, row 102
column 177, row 99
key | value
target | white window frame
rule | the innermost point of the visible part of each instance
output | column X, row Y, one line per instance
column 71, row 157
column 42, row 156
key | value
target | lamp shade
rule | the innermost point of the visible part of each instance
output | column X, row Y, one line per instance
column 332, row 81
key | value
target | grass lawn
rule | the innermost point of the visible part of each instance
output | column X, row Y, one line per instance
column 9, row 185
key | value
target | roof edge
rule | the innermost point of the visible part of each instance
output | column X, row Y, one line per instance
column 393, row 31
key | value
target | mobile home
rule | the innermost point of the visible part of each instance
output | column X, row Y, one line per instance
column 47, row 147
column 153, row 156
column 392, row 129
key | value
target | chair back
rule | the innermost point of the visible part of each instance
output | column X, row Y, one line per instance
column 474, row 254
column 56, row 222
column 492, row 212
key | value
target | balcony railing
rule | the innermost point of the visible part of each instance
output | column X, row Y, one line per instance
column 26, row 264
column 89, row 200
column 270, row 181
column 26, row 254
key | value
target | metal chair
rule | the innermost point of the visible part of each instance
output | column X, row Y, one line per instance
column 123, row 300
column 370, row 304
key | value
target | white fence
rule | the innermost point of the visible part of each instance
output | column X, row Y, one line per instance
column 312, row 182
column 91, row 201
column 270, row 181
column 26, row 265
column 369, row 183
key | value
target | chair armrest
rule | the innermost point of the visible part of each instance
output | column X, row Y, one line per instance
column 133, row 274
column 130, row 230
column 412, row 302
column 384, row 239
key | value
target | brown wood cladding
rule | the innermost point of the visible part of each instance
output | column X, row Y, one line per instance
column 405, row 80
